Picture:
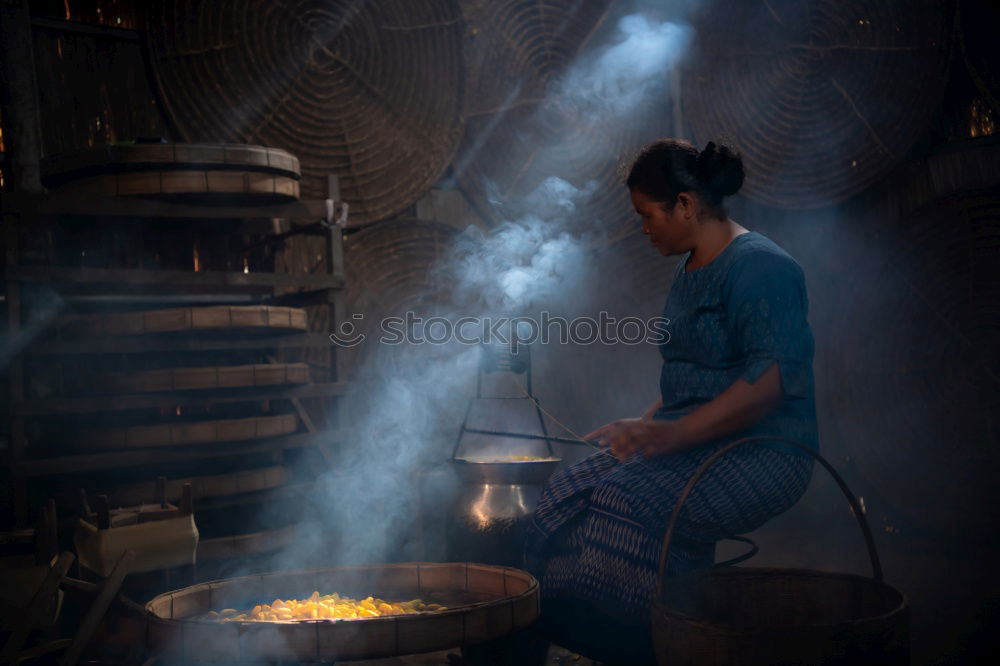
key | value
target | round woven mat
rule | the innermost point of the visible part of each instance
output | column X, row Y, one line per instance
column 391, row 267
column 369, row 91
column 977, row 32
column 520, row 130
column 914, row 369
column 822, row 97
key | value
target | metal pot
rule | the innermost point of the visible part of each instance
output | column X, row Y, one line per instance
column 491, row 515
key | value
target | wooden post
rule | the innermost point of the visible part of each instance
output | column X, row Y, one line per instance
column 103, row 512
column 19, row 96
column 107, row 593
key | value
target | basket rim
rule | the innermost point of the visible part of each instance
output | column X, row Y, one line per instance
column 659, row 608
column 531, row 590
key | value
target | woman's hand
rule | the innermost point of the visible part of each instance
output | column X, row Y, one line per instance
column 648, row 438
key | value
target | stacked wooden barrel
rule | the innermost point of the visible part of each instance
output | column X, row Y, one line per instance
column 184, row 363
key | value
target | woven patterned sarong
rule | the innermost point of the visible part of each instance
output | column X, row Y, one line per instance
column 597, row 532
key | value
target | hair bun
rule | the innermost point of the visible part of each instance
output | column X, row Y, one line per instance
column 720, row 170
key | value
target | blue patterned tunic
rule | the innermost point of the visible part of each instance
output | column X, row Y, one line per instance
column 732, row 319
column 595, row 537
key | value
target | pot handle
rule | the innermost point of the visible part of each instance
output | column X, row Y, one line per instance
column 661, row 577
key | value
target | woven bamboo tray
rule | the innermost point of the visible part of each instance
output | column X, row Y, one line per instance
column 194, row 432
column 390, row 268
column 175, row 320
column 204, row 487
column 823, row 98
column 371, row 91
column 213, row 377
column 254, row 174
column 484, row 602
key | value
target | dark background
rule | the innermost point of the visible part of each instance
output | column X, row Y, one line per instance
column 424, row 127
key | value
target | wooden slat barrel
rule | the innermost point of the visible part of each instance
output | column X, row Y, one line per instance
column 484, row 602
column 370, row 92
column 176, row 320
column 197, row 173
column 940, row 177
column 245, row 545
column 189, row 433
column 822, row 97
column 209, row 377
column 203, row 487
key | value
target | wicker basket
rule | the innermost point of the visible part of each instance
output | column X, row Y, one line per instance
column 747, row 615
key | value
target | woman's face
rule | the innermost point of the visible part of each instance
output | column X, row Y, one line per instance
column 669, row 231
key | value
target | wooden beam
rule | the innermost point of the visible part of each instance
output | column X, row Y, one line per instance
column 106, row 594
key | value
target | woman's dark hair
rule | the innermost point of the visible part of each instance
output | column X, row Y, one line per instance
column 665, row 168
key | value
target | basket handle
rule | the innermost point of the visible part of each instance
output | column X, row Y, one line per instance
column 661, row 577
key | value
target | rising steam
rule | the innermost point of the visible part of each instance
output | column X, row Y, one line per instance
column 407, row 414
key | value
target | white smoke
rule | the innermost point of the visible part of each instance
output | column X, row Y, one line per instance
column 624, row 76
column 541, row 256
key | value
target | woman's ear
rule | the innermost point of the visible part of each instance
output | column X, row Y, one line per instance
column 687, row 204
